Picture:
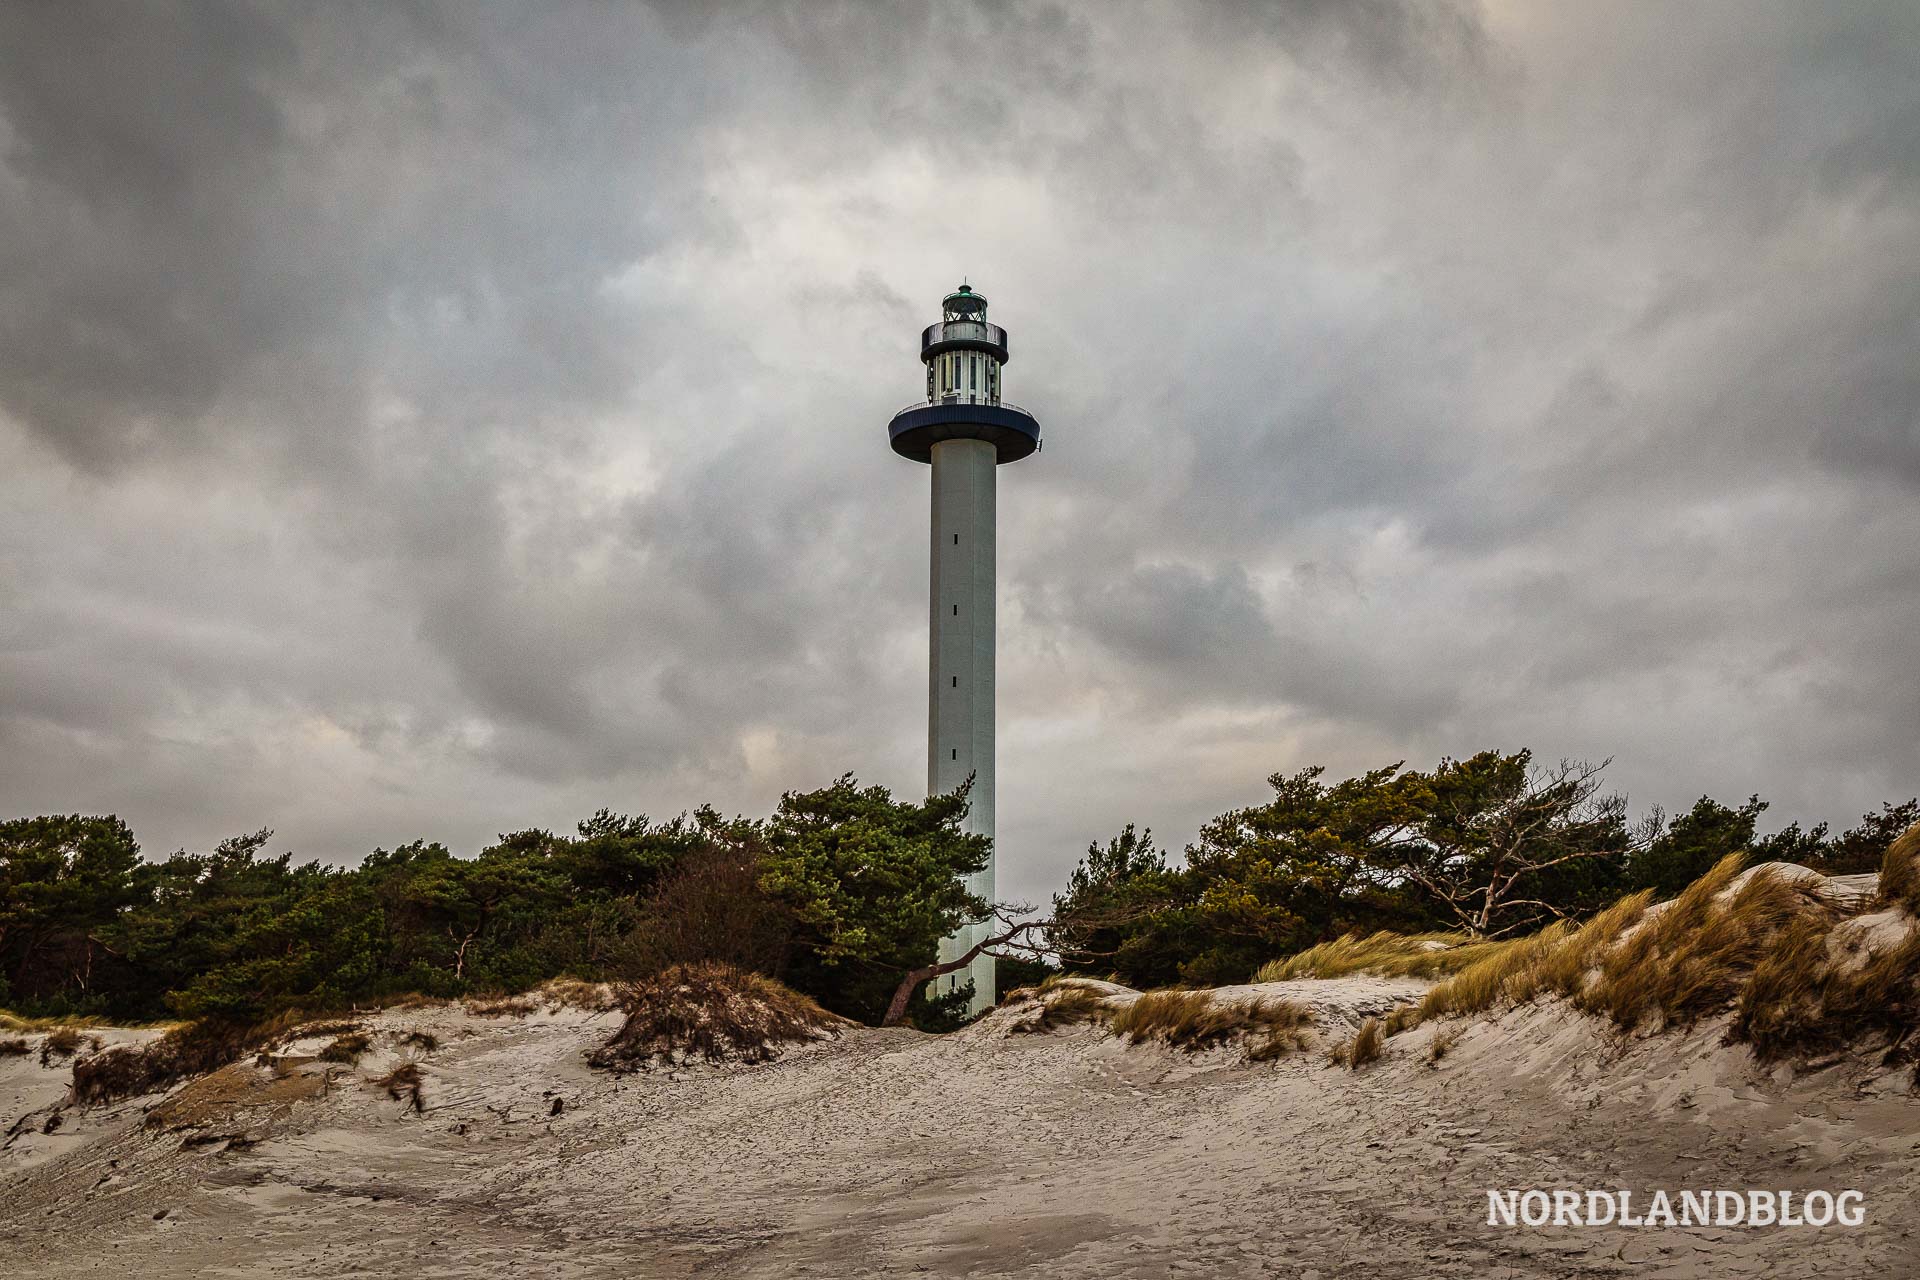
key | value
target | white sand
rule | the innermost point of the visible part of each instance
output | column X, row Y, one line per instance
column 889, row 1153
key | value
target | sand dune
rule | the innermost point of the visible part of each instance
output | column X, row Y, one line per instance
column 1068, row 1154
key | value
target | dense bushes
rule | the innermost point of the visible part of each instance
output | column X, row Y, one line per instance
column 1491, row 846
column 844, row 889
column 837, row 893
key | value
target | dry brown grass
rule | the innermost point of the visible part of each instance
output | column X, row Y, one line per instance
column 1695, row 955
column 502, row 1007
column 415, row 1000
column 347, row 1048
column 1193, row 1020
column 20, row 1022
column 1900, row 871
column 14, row 1048
column 1280, row 1041
column 1556, row 961
column 713, row 1012
column 1759, row 948
column 425, row 1041
column 1367, row 1045
column 405, row 1083
column 573, row 993
column 1062, row 1003
column 61, row 1042
column 1689, row 958
column 1506, row 973
column 1399, row 955
column 190, row 1050
column 307, row 1030
column 1798, row 1001
column 1362, row 1047
column 1442, row 1044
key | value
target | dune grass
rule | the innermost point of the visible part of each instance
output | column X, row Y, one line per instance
column 1696, row 954
column 1758, row 947
column 1362, row 1047
column 1900, row 872
column 1062, row 1002
column 190, row 1050
column 1393, row 955
column 61, row 1042
column 347, row 1048
column 1194, row 1020
column 405, row 1083
column 575, row 993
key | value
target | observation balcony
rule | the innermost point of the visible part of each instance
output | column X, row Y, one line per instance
column 1012, row 431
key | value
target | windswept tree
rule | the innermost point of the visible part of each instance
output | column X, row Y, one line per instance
column 1503, row 846
column 872, row 885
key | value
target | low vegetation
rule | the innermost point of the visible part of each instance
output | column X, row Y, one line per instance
column 710, row 1012
column 347, row 1048
column 1798, row 972
column 405, row 1083
column 1900, row 873
column 1062, row 1002
column 1194, row 1020
column 1359, row 1049
column 14, row 1048
column 61, row 1042
column 500, row 1007
column 186, row 1051
column 1392, row 955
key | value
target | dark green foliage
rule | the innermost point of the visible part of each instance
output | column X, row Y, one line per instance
column 1861, row 848
column 62, row 880
column 838, row 893
column 871, row 885
column 1693, row 844
column 1405, row 851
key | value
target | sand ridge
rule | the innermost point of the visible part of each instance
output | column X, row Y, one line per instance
column 1069, row 1154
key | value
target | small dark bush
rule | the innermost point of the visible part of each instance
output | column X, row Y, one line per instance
column 710, row 1011
column 61, row 1042
column 347, row 1048
column 192, row 1050
column 405, row 1084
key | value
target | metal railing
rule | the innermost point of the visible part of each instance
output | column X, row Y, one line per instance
column 963, row 331
column 969, row 398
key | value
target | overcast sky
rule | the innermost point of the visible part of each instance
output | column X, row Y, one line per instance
column 439, row 420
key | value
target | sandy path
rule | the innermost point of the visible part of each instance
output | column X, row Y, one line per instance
column 1070, row 1155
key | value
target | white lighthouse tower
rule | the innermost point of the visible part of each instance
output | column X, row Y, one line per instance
column 965, row 431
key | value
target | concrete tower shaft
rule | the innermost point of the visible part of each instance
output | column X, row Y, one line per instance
column 961, row 637
column 965, row 431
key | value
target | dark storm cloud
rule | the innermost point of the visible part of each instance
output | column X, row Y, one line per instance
column 432, row 419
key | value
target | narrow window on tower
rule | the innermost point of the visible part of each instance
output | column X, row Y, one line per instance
column 956, row 682
column 956, row 539
column 956, row 611
column 956, row 753
column 973, row 373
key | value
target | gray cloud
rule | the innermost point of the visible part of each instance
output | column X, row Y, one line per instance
column 437, row 419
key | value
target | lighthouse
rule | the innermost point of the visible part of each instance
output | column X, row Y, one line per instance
column 965, row 431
